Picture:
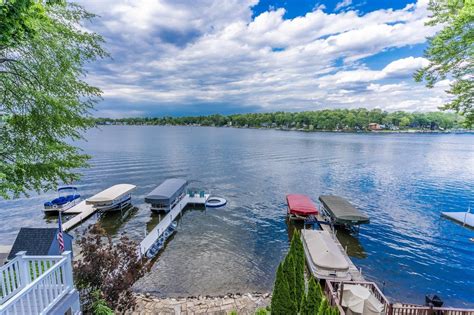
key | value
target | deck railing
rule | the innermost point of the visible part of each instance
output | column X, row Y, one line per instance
column 333, row 291
column 34, row 284
column 409, row 309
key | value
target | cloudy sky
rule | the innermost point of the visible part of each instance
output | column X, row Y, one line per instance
column 184, row 57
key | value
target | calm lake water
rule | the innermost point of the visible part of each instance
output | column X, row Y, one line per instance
column 402, row 181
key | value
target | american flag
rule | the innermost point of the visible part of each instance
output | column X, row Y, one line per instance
column 60, row 234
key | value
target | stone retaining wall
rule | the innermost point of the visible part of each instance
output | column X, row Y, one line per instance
column 242, row 304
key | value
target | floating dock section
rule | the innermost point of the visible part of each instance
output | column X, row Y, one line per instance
column 464, row 218
column 159, row 229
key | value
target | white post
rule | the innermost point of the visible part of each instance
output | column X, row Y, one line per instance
column 68, row 269
column 24, row 270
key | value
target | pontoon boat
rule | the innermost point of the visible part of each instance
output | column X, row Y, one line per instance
column 67, row 197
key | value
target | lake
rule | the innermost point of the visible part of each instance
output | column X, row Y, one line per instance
column 402, row 181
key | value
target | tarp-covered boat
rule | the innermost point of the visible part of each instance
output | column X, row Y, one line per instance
column 300, row 206
column 341, row 211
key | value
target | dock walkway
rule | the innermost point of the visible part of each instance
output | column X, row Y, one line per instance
column 82, row 211
column 464, row 218
column 154, row 234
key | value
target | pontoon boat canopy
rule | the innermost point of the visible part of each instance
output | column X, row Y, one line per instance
column 301, row 205
column 110, row 194
column 341, row 211
column 323, row 250
column 167, row 191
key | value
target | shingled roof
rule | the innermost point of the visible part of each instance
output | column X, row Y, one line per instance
column 35, row 241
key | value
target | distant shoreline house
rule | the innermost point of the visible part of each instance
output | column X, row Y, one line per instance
column 39, row 242
column 375, row 126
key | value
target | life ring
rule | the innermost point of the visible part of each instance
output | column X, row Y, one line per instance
column 215, row 202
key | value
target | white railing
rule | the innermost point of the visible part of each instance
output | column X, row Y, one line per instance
column 34, row 284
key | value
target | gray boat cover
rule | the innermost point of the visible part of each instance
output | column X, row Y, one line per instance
column 167, row 191
column 341, row 211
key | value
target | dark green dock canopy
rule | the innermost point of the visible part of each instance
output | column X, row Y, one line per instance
column 341, row 211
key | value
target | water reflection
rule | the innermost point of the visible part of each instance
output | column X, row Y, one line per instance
column 402, row 182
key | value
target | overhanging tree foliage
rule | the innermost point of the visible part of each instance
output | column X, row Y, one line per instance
column 451, row 53
column 43, row 50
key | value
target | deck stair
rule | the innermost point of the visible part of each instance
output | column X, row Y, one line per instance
column 36, row 284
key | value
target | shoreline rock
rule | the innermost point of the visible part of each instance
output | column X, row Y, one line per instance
column 243, row 304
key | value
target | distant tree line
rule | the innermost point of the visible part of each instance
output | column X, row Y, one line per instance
column 336, row 119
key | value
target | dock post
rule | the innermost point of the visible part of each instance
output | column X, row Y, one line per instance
column 341, row 286
column 24, row 269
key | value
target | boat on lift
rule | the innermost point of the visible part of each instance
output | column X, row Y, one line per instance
column 67, row 198
column 117, row 197
column 300, row 207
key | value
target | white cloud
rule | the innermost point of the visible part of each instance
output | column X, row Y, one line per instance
column 177, row 53
column 342, row 4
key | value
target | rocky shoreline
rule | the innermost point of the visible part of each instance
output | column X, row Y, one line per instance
column 243, row 304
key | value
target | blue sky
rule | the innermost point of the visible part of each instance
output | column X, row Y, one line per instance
column 182, row 57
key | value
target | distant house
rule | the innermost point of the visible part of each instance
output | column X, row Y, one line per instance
column 39, row 242
column 374, row 126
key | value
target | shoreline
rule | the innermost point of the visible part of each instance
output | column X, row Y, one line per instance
column 410, row 131
column 246, row 303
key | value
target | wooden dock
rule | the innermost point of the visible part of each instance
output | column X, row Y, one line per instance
column 154, row 234
column 82, row 211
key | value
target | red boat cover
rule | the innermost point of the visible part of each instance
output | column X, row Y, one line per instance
column 300, row 205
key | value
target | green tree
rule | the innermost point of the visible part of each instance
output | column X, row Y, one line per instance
column 281, row 300
column 324, row 307
column 304, row 309
column 289, row 272
column 43, row 50
column 314, row 297
column 99, row 306
column 297, row 252
column 451, row 53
